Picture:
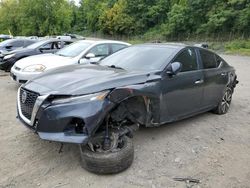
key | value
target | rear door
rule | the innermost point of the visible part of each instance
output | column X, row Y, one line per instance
column 182, row 93
column 214, row 78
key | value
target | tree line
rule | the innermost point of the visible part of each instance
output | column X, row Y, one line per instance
column 147, row 18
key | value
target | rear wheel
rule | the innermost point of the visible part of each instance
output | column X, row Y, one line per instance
column 118, row 157
column 224, row 104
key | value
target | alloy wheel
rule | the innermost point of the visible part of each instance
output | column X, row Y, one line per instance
column 226, row 100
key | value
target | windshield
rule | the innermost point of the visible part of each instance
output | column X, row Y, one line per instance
column 36, row 44
column 74, row 49
column 139, row 58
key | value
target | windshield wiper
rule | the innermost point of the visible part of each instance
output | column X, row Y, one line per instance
column 115, row 67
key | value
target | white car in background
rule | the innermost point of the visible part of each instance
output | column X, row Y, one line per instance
column 85, row 51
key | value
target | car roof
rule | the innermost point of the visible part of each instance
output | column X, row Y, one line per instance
column 177, row 46
column 19, row 39
column 103, row 41
column 54, row 40
column 165, row 45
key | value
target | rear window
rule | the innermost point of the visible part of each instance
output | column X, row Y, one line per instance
column 209, row 59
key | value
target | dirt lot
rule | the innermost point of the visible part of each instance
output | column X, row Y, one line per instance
column 212, row 148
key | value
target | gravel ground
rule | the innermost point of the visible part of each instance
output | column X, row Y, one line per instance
column 214, row 149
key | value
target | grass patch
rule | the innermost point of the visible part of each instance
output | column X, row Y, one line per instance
column 239, row 47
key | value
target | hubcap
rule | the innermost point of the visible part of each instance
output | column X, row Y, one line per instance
column 226, row 101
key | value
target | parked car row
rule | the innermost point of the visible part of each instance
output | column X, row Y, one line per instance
column 81, row 52
column 41, row 47
column 97, row 93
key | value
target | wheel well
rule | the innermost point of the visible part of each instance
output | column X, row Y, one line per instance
column 133, row 109
column 130, row 111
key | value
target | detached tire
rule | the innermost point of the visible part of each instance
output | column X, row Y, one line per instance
column 108, row 162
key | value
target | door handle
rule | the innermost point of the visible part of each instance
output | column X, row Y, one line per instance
column 223, row 74
column 200, row 81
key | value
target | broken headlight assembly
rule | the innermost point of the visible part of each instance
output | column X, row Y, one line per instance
column 81, row 98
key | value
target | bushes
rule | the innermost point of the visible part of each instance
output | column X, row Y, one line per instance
column 241, row 47
column 152, row 19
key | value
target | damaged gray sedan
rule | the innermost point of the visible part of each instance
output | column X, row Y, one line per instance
column 99, row 106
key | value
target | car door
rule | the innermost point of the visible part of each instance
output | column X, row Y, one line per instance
column 182, row 93
column 99, row 51
column 214, row 78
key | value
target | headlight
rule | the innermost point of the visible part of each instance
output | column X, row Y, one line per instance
column 34, row 68
column 90, row 97
column 9, row 56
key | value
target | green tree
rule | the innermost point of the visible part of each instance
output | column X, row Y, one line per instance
column 116, row 21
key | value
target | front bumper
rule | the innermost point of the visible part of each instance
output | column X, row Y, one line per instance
column 54, row 122
column 22, row 77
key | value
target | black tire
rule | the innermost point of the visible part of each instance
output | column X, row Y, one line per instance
column 108, row 162
column 225, row 102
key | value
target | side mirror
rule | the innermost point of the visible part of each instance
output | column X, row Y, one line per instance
column 89, row 56
column 174, row 68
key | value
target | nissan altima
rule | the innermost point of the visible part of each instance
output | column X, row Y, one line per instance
column 100, row 105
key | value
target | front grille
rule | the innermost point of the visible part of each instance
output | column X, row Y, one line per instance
column 27, row 102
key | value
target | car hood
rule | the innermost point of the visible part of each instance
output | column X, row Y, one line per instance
column 86, row 79
column 48, row 60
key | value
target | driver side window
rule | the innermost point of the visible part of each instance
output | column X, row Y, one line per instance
column 46, row 46
column 188, row 60
column 100, row 50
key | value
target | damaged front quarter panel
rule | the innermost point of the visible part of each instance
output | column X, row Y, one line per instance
column 139, row 102
column 61, row 122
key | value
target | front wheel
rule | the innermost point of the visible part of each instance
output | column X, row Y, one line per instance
column 114, row 160
column 224, row 104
